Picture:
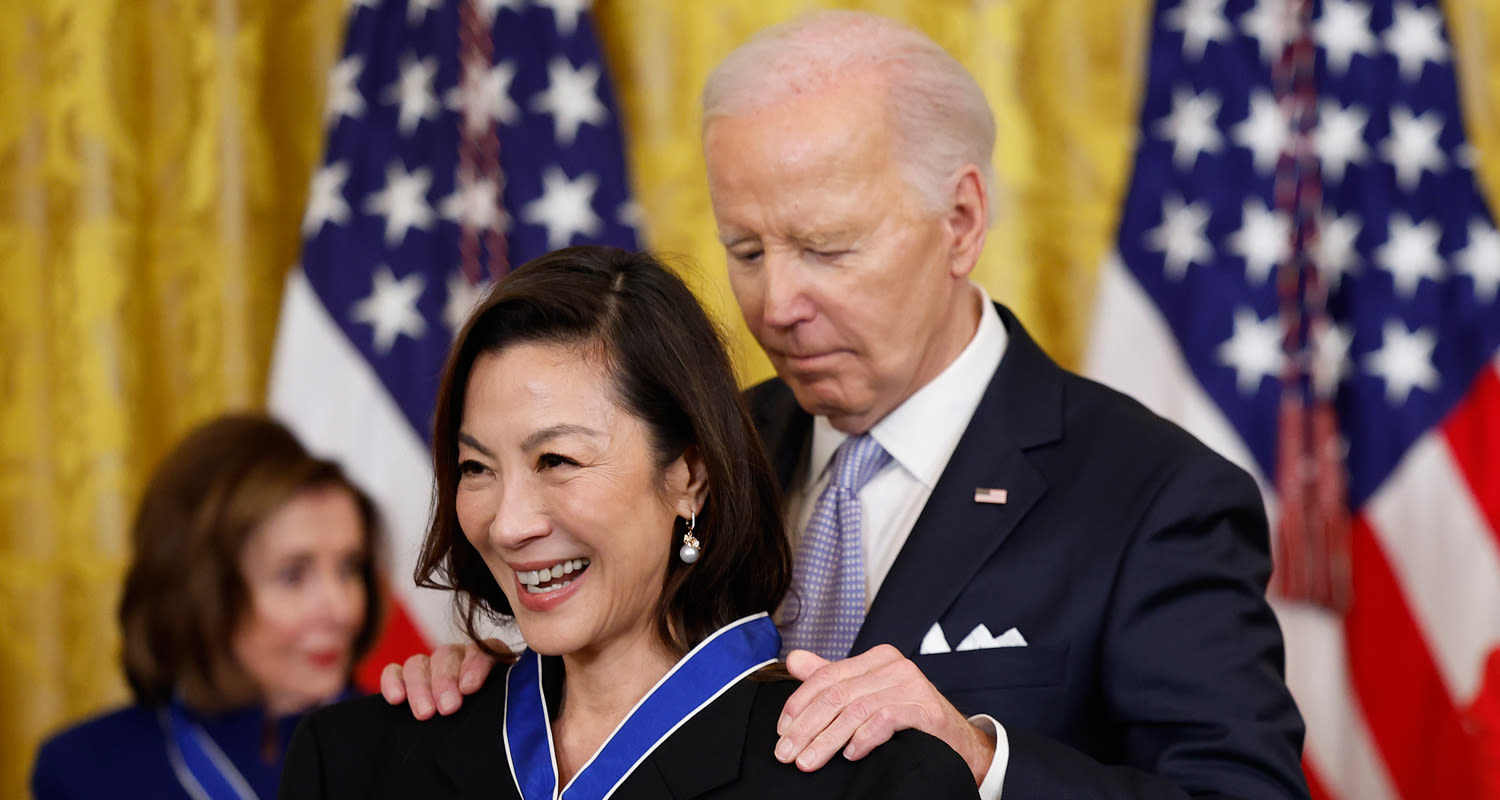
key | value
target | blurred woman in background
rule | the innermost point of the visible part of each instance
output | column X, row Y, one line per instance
column 250, row 596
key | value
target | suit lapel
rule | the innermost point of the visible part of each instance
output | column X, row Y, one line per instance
column 698, row 757
column 473, row 756
column 783, row 426
column 954, row 536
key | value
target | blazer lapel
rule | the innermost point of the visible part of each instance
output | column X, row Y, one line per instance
column 698, row 757
column 955, row 536
column 473, row 756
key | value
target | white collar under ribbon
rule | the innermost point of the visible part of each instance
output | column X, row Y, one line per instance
column 716, row 664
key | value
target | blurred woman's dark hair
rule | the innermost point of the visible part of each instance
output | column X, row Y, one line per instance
column 185, row 593
column 670, row 370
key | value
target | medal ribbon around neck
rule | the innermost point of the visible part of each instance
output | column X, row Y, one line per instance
column 730, row 654
column 200, row 766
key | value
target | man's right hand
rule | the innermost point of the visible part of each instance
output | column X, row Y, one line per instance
column 451, row 671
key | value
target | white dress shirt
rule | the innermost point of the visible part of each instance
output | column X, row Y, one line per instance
column 920, row 435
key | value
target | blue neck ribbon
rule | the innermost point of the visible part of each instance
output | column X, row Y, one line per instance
column 200, row 766
column 716, row 664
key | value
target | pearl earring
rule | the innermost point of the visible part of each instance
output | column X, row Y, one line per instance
column 691, row 549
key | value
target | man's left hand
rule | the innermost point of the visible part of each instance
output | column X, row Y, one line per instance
column 857, row 704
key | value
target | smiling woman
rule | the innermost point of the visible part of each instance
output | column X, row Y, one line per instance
column 600, row 482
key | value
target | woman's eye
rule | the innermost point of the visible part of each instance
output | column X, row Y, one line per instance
column 553, row 460
column 291, row 576
column 470, row 467
column 747, row 256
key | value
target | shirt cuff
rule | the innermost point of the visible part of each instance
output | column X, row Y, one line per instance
column 994, row 779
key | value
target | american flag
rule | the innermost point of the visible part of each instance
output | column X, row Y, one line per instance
column 463, row 136
column 1303, row 241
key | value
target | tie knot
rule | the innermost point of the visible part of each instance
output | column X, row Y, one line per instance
column 856, row 462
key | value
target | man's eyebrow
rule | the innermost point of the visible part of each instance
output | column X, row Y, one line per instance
column 547, row 434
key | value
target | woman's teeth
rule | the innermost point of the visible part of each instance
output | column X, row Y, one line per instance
column 538, row 581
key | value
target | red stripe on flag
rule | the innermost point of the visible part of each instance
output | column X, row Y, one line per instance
column 1484, row 720
column 398, row 640
column 1412, row 720
column 1314, row 783
column 1473, row 435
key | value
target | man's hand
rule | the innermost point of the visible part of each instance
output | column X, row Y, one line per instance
column 861, row 702
column 451, row 671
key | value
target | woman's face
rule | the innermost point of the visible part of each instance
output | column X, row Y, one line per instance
column 560, row 492
column 303, row 567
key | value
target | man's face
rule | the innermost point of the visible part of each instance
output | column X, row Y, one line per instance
column 852, row 287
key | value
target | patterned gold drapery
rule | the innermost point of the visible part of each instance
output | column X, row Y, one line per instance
column 154, row 156
column 153, row 160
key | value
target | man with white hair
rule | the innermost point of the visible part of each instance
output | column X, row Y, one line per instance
column 946, row 481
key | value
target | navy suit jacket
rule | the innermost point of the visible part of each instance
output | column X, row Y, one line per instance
column 123, row 754
column 1132, row 559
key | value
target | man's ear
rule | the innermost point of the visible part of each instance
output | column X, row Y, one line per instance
column 967, row 220
column 687, row 481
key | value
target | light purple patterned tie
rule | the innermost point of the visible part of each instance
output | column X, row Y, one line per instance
column 827, row 603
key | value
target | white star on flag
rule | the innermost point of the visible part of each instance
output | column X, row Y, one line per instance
column 565, row 207
column 474, row 205
column 416, row 10
column 463, row 296
column 1404, row 362
column 630, row 215
column 1269, row 23
column 1344, row 32
column 1413, row 145
column 566, row 12
column 391, row 308
column 1263, row 240
column 1341, row 138
column 1180, row 237
column 1415, row 38
column 403, row 202
column 1264, row 132
column 1201, row 22
column 1330, row 358
column 1337, row 254
column 1191, row 126
column 413, row 91
column 1480, row 260
column 325, row 199
column 491, row 8
column 571, row 98
column 1253, row 350
column 344, row 98
column 483, row 96
column 1411, row 253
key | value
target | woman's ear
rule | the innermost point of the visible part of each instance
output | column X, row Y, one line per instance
column 687, row 482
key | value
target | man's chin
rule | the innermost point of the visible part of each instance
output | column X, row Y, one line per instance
column 827, row 399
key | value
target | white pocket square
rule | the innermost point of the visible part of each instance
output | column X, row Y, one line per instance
column 978, row 639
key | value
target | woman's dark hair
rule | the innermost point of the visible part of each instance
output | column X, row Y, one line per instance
column 185, row 594
column 670, row 370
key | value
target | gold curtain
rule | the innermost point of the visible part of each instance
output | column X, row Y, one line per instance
column 154, row 156
column 153, row 159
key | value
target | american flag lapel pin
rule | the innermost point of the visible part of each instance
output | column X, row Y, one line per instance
column 994, row 497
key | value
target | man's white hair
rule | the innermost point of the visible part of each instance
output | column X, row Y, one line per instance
column 939, row 117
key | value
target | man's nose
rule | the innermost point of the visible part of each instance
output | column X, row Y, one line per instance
column 785, row 291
